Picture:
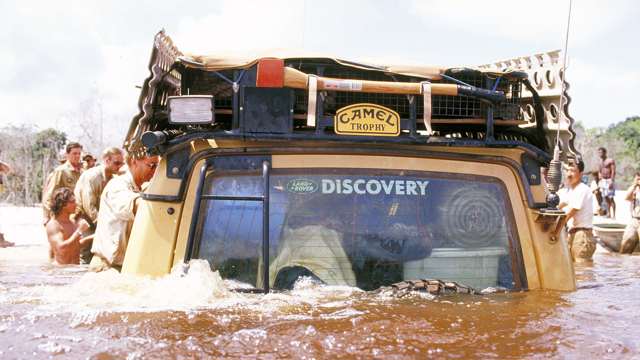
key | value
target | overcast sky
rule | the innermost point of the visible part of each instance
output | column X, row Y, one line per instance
column 58, row 55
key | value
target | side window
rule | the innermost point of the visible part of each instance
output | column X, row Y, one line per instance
column 364, row 228
column 230, row 231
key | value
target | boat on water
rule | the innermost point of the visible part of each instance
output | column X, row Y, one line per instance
column 277, row 166
column 609, row 235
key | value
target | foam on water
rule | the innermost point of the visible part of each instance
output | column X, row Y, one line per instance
column 90, row 295
column 112, row 291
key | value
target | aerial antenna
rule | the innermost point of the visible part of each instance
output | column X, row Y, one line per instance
column 555, row 166
column 564, row 68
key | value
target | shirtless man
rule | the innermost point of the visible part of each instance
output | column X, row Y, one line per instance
column 65, row 175
column 65, row 236
column 607, row 181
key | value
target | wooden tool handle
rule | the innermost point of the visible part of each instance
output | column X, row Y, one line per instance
column 298, row 80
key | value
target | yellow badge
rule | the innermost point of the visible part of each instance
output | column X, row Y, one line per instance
column 367, row 119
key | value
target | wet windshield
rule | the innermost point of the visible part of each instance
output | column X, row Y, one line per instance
column 364, row 228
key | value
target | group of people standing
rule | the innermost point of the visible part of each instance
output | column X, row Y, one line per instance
column 88, row 213
column 576, row 200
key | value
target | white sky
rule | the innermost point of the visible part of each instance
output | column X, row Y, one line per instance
column 57, row 55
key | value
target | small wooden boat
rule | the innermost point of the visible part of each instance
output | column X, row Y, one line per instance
column 609, row 235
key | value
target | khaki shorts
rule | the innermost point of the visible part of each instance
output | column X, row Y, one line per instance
column 630, row 237
column 99, row 264
column 581, row 245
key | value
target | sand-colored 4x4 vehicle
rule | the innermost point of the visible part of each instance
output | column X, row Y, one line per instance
column 283, row 165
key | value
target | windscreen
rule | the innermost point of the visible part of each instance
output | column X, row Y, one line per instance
column 364, row 228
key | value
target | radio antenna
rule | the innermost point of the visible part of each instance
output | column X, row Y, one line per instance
column 563, row 72
column 555, row 166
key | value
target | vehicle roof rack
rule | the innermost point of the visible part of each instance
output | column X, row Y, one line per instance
column 511, row 100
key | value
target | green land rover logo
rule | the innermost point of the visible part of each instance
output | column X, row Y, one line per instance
column 302, row 186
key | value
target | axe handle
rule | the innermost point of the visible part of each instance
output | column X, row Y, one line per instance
column 298, row 80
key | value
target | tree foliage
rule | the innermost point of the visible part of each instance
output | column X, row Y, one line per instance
column 622, row 141
column 32, row 155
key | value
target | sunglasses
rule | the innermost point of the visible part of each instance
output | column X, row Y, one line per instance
column 118, row 163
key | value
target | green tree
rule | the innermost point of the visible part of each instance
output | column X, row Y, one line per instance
column 32, row 155
column 622, row 141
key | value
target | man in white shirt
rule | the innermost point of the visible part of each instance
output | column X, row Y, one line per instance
column 118, row 206
column 577, row 203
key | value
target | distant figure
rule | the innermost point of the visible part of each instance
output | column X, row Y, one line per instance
column 65, row 175
column 65, row 235
column 118, row 206
column 577, row 202
column 88, row 161
column 89, row 188
column 4, row 169
column 631, row 234
column 607, row 181
column 597, row 192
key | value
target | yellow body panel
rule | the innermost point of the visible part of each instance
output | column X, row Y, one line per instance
column 152, row 239
column 158, row 240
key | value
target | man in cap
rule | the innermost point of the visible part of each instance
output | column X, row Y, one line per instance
column 88, row 161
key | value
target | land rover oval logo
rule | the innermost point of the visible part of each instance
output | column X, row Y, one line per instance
column 302, row 186
column 367, row 119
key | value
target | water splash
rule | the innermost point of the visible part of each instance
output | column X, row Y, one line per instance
column 110, row 291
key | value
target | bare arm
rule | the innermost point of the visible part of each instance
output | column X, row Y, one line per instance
column 4, row 167
column 572, row 212
column 87, row 239
column 56, row 236
column 630, row 196
column 613, row 171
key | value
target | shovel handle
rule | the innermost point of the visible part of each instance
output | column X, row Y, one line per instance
column 298, row 80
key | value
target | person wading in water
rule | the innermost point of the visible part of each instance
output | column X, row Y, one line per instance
column 607, row 171
column 577, row 203
column 65, row 235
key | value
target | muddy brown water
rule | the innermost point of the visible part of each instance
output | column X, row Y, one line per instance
column 66, row 313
